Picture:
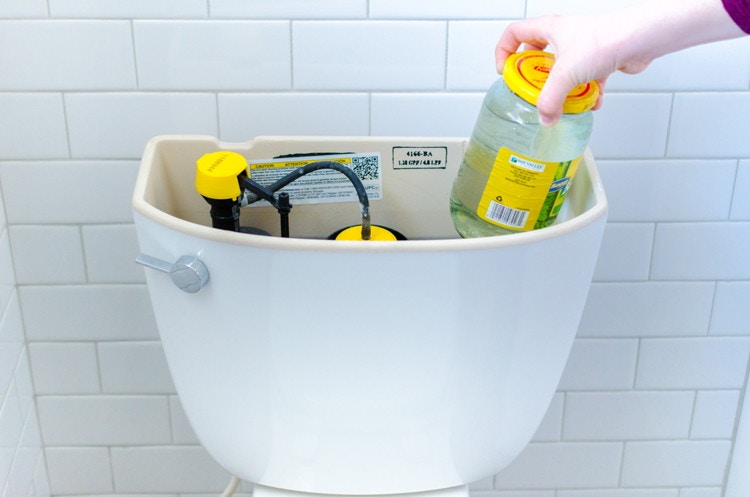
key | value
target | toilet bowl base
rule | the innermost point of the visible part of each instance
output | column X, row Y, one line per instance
column 265, row 491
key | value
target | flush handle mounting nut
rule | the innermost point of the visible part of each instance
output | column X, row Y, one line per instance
column 188, row 274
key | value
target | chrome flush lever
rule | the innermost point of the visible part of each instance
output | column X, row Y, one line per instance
column 188, row 274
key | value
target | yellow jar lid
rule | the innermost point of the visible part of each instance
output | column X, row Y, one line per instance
column 377, row 234
column 526, row 72
column 216, row 175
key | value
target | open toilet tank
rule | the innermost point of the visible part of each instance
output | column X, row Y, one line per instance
column 350, row 367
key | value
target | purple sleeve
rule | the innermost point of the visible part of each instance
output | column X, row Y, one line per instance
column 739, row 11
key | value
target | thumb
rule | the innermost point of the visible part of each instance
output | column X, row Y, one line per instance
column 553, row 94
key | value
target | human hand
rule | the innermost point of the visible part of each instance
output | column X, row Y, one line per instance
column 591, row 47
column 586, row 48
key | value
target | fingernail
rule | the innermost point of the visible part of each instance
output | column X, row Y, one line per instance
column 545, row 120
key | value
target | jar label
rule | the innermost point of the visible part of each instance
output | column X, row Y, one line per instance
column 522, row 194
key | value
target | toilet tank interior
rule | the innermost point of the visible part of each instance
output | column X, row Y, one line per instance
column 415, row 192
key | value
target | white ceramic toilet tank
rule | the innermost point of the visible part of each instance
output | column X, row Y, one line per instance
column 358, row 368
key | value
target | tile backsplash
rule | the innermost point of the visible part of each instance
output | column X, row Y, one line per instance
column 650, row 402
column 22, row 467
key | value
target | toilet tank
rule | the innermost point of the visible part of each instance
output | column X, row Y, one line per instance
column 364, row 367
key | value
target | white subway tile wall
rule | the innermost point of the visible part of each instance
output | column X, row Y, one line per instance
column 649, row 402
column 289, row 9
column 116, row 125
column 33, row 126
column 543, row 7
column 741, row 203
column 368, row 55
column 305, row 114
column 85, row 9
column 471, row 45
column 183, row 55
column 450, row 114
column 678, row 72
column 23, row 471
column 445, row 9
column 69, row 55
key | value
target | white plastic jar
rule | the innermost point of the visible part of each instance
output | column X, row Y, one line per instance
column 516, row 173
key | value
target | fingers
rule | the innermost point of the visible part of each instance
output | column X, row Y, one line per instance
column 551, row 97
column 555, row 90
column 602, row 82
column 576, row 61
column 530, row 32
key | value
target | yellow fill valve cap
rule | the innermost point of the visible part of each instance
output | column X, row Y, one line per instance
column 216, row 175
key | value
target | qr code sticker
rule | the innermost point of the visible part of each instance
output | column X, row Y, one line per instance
column 366, row 167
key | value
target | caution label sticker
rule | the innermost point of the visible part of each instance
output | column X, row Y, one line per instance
column 323, row 185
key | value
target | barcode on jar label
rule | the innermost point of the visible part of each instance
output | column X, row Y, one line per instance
column 505, row 215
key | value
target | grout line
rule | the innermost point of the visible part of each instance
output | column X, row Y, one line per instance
column 669, row 126
column 691, row 424
column 111, row 469
column 98, row 367
column 369, row 114
column 621, row 471
column 446, row 56
column 68, row 140
column 218, row 115
column 170, row 418
column 291, row 57
column 711, row 311
column 735, row 193
column 563, row 416
column 651, row 250
column 637, row 362
column 135, row 57
column 86, row 275
column 732, row 472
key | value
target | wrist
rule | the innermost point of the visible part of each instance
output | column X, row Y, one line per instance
column 657, row 28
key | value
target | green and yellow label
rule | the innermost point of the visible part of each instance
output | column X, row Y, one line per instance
column 522, row 193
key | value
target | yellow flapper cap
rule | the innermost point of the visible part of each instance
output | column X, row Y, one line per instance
column 526, row 72
column 377, row 234
column 216, row 175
